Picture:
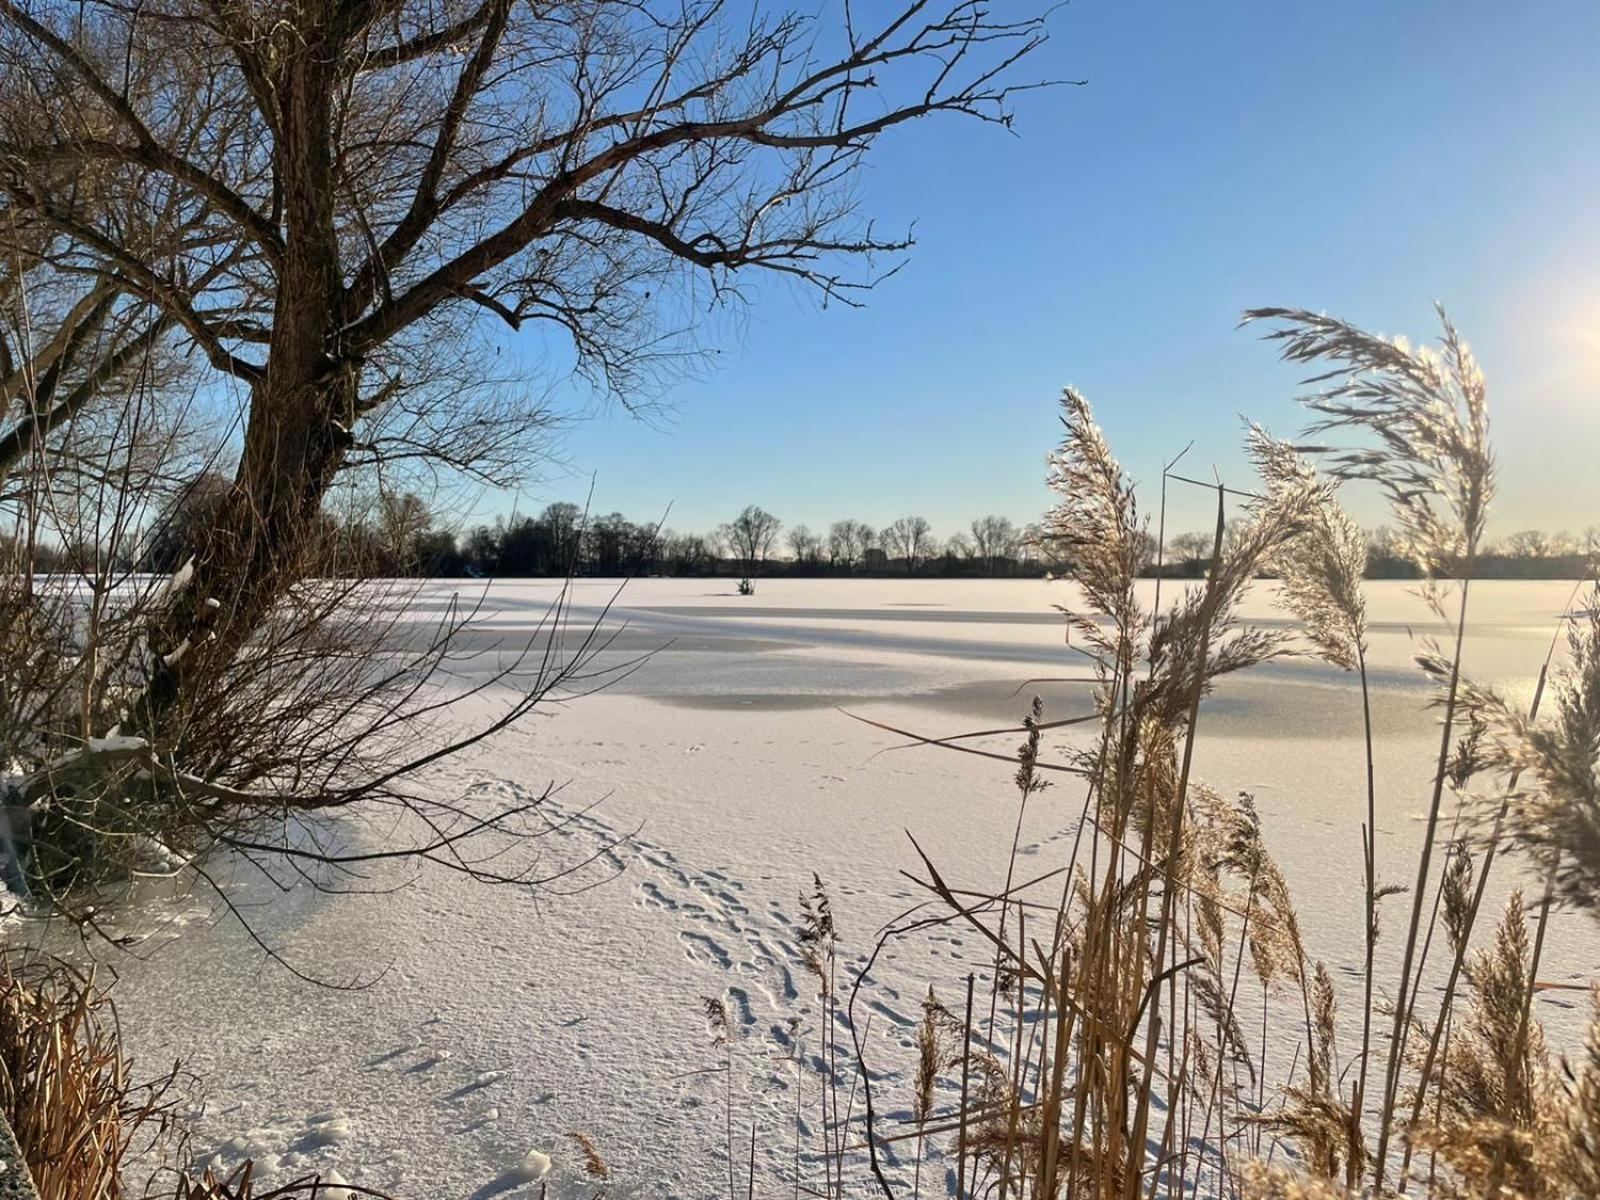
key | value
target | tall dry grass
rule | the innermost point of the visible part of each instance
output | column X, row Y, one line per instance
column 65, row 1087
column 1126, row 1041
column 88, row 1127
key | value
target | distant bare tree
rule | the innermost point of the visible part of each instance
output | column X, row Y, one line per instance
column 848, row 542
column 995, row 539
column 907, row 539
column 959, row 550
column 752, row 536
column 1189, row 551
column 687, row 554
column 402, row 521
column 804, row 545
column 1534, row 543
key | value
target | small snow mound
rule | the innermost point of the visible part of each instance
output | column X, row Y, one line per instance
column 533, row 1167
column 152, row 854
column 333, row 1187
column 328, row 1132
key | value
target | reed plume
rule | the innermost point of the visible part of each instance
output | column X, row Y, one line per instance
column 1259, row 1181
column 1095, row 523
column 1427, row 413
column 1320, row 570
column 1554, row 814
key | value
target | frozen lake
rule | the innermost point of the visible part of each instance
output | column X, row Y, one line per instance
column 503, row 1021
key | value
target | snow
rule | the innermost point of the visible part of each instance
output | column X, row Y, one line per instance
column 115, row 744
column 532, row 1167
column 493, row 1022
column 153, row 856
column 178, row 580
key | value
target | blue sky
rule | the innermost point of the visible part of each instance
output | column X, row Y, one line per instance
column 1362, row 159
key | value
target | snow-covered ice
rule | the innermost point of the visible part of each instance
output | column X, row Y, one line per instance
column 500, row 1021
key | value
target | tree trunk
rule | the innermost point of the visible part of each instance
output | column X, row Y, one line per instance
column 258, row 546
column 301, row 410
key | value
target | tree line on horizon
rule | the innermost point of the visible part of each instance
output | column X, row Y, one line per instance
column 400, row 535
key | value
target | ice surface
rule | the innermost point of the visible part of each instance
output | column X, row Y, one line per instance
column 502, row 1020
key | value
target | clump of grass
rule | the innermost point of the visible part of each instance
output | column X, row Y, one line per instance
column 595, row 1165
column 84, row 1123
column 1152, row 932
column 65, row 1086
column 1425, row 415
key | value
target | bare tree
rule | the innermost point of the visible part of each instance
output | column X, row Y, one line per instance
column 1190, row 551
column 59, row 350
column 688, row 554
column 333, row 210
column 848, row 542
column 1534, row 543
column 336, row 699
column 68, row 337
column 752, row 536
column 995, row 539
column 908, row 539
column 805, row 545
column 959, row 551
column 364, row 176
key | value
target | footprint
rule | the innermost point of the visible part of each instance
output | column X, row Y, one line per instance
column 710, row 945
column 741, row 1005
column 878, row 1006
column 655, row 897
column 486, row 1079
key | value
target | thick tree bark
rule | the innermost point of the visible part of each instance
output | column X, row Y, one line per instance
column 301, row 410
column 258, row 545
